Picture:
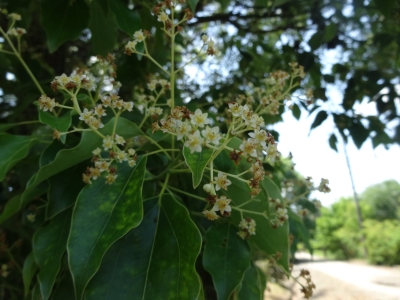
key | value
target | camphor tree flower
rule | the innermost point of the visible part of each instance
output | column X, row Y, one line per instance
column 199, row 118
column 194, row 142
column 221, row 181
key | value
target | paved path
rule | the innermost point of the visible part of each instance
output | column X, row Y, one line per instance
column 337, row 280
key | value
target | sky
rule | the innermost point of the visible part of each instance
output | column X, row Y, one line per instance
column 313, row 156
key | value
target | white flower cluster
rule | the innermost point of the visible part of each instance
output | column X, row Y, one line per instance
column 260, row 142
column 247, row 227
column 16, row 31
column 186, row 126
column 105, row 164
column 220, row 204
column 46, row 103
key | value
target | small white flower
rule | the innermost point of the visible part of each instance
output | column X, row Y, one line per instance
column 260, row 136
column 86, row 115
column 102, row 165
column 248, row 148
column 212, row 135
column 199, row 118
column 272, row 152
column 221, row 181
column 139, row 36
column 204, row 37
column 163, row 17
column 99, row 110
column 211, row 215
column 108, row 142
column 46, row 104
column 194, row 142
column 182, row 129
column 128, row 105
column 222, row 204
column 119, row 140
column 97, row 151
column 122, row 156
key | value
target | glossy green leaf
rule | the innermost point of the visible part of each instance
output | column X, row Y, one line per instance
column 192, row 5
column 197, row 161
column 64, row 189
column 65, row 289
column 333, row 141
column 14, row 204
column 28, row 272
column 70, row 157
column 13, row 148
column 103, row 28
column 299, row 230
column 5, row 127
column 128, row 20
column 330, row 32
column 253, row 284
column 296, row 111
column 49, row 245
column 319, row 119
column 156, row 260
column 61, row 123
column 103, row 213
column 226, row 257
column 63, row 20
column 268, row 239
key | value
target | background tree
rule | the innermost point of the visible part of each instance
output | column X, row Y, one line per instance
column 384, row 200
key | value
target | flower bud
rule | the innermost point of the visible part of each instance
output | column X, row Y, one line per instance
column 207, row 188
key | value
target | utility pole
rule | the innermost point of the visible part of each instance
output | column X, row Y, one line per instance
column 356, row 200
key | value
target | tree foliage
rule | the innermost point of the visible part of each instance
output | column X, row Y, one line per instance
column 143, row 222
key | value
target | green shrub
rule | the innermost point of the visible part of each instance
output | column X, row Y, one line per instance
column 383, row 241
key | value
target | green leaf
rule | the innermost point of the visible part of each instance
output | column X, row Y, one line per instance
column 63, row 20
column 253, row 284
column 358, row 132
column 5, row 127
column 11, row 207
column 70, row 157
column 13, row 148
column 270, row 239
column 49, row 245
column 385, row 6
column 315, row 41
column 103, row 28
column 156, row 260
column 128, row 20
column 192, row 5
column 65, row 289
column 103, row 213
column 330, row 32
column 61, row 123
column 381, row 138
column 277, row 2
column 14, row 204
column 64, row 189
column 226, row 257
column 296, row 111
column 321, row 117
column 28, row 271
column 299, row 229
column 333, row 141
column 197, row 162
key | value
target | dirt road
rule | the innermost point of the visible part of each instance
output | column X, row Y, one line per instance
column 337, row 280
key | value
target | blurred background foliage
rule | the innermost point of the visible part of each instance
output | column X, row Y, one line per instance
column 337, row 233
column 254, row 38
